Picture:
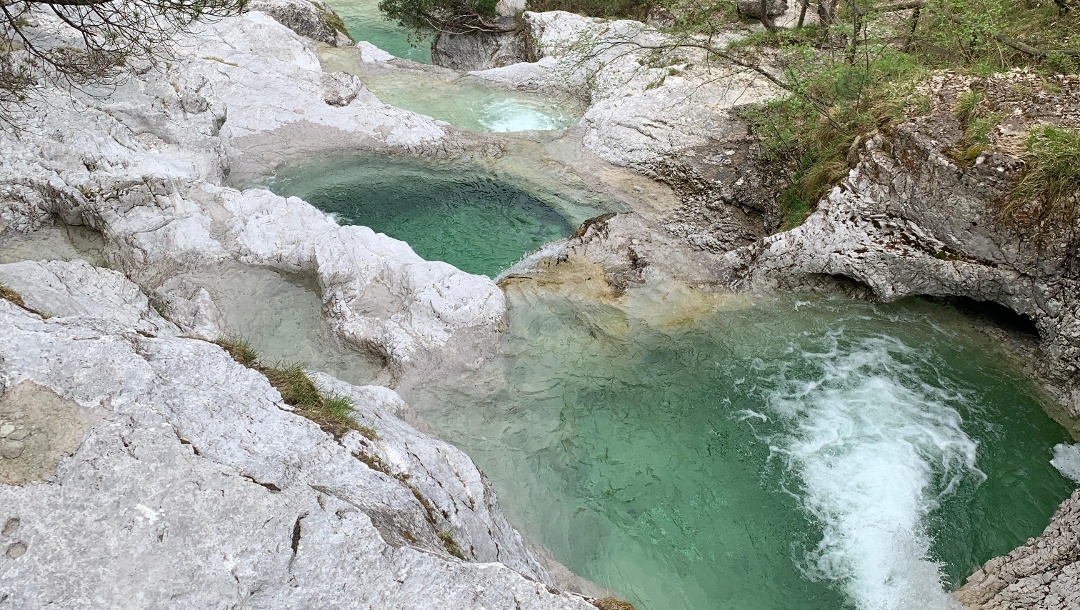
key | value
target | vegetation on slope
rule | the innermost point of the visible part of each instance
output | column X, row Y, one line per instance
column 329, row 411
column 860, row 72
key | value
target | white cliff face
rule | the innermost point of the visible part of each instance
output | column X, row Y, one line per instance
column 191, row 484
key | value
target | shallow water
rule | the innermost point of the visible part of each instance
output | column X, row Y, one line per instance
column 64, row 243
column 281, row 317
column 778, row 454
column 466, row 102
column 365, row 21
column 477, row 221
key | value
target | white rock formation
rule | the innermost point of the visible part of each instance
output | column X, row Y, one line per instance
column 643, row 109
column 190, row 484
column 145, row 164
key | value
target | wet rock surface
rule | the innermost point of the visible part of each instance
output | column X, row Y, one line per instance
column 1043, row 574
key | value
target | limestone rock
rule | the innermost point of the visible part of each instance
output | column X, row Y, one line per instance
column 102, row 294
column 478, row 51
column 144, row 170
column 189, row 465
column 645, row 109
column 340, row 89
column 1043, row 574
column 752, row 8
column 312, row 19
column 370, row 53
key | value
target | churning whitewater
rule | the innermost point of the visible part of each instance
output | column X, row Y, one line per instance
column 874, row 447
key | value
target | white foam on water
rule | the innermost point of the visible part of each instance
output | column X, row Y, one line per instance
column 874, row 449
column 518, row 115
column 1067, row 460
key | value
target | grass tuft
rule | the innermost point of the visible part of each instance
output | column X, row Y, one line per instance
column 1047, row 193
column 612, row 603
column 451, row 544
column 239, row 349
column 10, row 295
column 332, row 412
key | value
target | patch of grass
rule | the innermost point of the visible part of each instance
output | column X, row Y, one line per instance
column 612, row 603
column 1047, row 193
column 10, row 295
column 330, row 411
column 967, row 106
column 451, row 544
column 977, row 125
column 239, row 349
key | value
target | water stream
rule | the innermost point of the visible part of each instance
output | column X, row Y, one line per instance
column 463, row 101
column 772, row 453
column 365, row 22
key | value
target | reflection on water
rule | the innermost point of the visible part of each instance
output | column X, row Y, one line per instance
column 778, row 454
column 365, row 21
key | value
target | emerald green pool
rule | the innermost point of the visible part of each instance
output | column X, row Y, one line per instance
column 775, row 454
column 472, row 219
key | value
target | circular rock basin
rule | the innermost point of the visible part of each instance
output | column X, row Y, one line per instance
column 477, row 221
column 755, row 453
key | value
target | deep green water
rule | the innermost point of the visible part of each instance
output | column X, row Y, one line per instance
column 365, row 22
column 471, row 219
column 776, row 454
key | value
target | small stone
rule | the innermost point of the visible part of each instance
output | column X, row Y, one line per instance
column 19, row 435
column 10, row 527
column 11, row 449
column 6, row 429
column 16, row 550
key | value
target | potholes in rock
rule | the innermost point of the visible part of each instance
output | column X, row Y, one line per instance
column 476, row 220
column 280, row 315
column 56, row 242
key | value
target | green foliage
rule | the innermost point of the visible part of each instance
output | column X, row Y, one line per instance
column 977, row 124
column 978, row 34
column 332, row 412
column 425, row 16
column 834, row 105
column 1047, row 193
column 451, row 544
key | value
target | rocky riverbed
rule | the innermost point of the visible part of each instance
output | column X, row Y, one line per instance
column 145, row 467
